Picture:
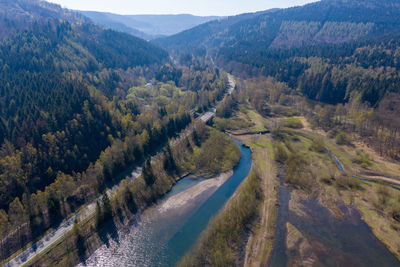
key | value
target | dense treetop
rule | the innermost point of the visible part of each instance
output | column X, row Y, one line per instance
column 320, row 22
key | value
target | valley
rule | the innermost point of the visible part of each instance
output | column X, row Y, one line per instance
column 259, row 139
column 323, row 204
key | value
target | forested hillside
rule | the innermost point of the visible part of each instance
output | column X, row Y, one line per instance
column 332, row 51
column 335, row 52
column 205, row 36
column 328, row 73
column 328, row 21
column 72, row 112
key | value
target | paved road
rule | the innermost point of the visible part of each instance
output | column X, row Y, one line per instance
column 89, row 209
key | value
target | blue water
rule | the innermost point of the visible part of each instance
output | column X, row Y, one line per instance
column 338, row 163
column 161, row 238
column 340, row 167
column 183, row 185
column 184, row 239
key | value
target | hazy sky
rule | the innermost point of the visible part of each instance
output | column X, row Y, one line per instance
column 196, row 7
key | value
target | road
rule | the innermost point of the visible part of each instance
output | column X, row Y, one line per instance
column 208, row 115
column 89, row 209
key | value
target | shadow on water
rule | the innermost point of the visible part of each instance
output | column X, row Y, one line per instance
column 335, row 242
column 81, row 249
column 108, row 231
column 161, row 237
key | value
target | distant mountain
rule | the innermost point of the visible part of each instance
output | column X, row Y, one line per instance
column 327, row 21
column 147, row 26
column 76, row 36
column 330, row 50
column 107, row 20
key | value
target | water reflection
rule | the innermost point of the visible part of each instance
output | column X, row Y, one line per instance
column 335, row 242
column 162, row 235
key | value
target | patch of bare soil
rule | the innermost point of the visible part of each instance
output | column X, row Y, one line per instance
column 186, row 196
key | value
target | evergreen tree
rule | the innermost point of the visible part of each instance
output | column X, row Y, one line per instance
column 148, row 175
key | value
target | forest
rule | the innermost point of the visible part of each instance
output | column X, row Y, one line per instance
column 322, row 22
column 81, row 106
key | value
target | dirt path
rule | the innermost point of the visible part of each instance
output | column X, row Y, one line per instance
column 382, row 178
column 260, row 242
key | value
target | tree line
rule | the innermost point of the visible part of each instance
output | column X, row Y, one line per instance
column 67, row 130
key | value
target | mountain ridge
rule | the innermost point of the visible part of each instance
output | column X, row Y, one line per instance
column 360, row 18
column 147, row 26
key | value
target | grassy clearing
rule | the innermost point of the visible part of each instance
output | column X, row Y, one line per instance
column 378, row 205
column 293, row 122
column 376, row 163
column 356, row 156
column 230, row 124
column 257, row 122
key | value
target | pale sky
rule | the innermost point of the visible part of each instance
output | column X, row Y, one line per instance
column 195, row 7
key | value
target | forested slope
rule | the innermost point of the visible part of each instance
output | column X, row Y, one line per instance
column 70, row 119
column 328, row 21
column 331, row 51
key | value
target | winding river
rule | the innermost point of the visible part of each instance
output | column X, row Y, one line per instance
column 166, row 231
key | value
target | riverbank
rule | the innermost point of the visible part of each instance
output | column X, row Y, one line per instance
column 262, row 232
column 219, row 244
column 243, row 232
column 181, row 199
column 162, row 236
column 135, row 196
column 314, row 185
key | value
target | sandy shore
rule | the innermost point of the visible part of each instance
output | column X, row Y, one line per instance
column 184, row 197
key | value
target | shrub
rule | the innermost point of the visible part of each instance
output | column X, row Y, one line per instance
column 342, row 139
column 396, row 213
column 230, row 124
column 383, row 194
column 281, row 155
column 297, row 173
column 318, row 145
column 348, row 183
column 332, row 133
column 284, row 111
column 294, row 123
column 363, row 159
column 278, row 134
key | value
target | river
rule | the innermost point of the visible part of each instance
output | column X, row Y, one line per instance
column 165, row 232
